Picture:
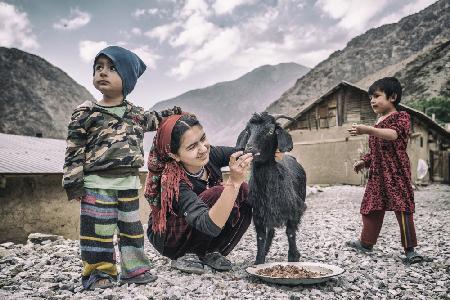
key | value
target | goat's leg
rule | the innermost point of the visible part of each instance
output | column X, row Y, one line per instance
column 270, row 234
column 291, row 232
column 261, row 243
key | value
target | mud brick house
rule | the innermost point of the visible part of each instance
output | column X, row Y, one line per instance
column 31, row 196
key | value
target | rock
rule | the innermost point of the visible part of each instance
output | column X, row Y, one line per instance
column 53, row 271
column 7, row 245
column 4, row 253
column 41, row 238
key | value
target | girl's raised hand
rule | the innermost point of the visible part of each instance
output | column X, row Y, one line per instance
column 358, row 129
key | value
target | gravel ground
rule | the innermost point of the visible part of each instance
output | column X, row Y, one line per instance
column 52, row 269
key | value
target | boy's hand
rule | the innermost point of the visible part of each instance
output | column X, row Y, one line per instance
column 358, row 129
column 176, row 110
column 358, row 166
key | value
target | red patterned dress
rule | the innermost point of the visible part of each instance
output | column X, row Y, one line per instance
column 389, row 185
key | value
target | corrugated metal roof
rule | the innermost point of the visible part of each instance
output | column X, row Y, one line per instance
column 31, row 155
column 26, row 154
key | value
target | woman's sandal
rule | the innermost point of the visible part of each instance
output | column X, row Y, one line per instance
column 189, row 263
column 143, row 278
column 216, row 261
column 98, row 280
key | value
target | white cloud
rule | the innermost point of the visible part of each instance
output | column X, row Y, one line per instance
column 260, row 23
column 136, row 31
column 183, row 69
column 15, row 28
column 147, row 56
column 352, row 15
column 77, row 20
column 216, row 50
column 142, row 12
column 162, row 32
column 138, row 13
column 196, row 30
column 199, row 7
column 121, row 44
column 227, row 6
column 88, row 49
column 406, row 10
column 334, row 8
column 153, row 11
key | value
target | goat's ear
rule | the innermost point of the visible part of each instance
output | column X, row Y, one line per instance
column 284, row 140
column 242, row 140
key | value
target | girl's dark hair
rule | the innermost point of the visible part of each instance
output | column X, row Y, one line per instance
column 388, row 85
column 181, row 126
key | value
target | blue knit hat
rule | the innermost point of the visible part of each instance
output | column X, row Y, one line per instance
column 129, row 66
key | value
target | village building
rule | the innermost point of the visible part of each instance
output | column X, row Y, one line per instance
column 31, row 195
column 326, row 150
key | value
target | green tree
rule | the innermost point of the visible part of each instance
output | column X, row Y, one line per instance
column 439, row 106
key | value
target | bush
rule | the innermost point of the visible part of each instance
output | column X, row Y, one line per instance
column 439, row 106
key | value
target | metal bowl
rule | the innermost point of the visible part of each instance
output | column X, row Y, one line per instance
column 329, row 270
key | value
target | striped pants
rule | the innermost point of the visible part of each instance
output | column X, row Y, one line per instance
column 373, row 222
column 102, row 213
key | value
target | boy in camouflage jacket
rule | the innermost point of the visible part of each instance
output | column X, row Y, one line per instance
column 103, row 156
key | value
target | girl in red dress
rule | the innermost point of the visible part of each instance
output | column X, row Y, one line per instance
column 389, row 186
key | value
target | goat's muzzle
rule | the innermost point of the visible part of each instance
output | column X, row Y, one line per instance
column 253, row 151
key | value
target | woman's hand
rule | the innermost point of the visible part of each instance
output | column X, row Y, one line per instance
column 358, row 129
column 358, row 166
column 239, row 165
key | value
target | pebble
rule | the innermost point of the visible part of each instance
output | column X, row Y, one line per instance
column 48, row 266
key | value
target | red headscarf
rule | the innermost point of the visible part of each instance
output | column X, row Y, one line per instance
column 164, row 175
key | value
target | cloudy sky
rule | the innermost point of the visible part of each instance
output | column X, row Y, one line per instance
column 194, row 43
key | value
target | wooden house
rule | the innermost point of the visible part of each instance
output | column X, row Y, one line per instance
column 324, row 147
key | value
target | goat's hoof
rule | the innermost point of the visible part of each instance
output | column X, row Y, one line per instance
column 259, row 262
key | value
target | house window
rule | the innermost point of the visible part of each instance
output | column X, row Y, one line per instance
column 323, row 116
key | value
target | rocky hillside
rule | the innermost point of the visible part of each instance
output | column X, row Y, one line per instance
column 225, row 107
column 402, row 48
column 427, row 76
column 36, row 96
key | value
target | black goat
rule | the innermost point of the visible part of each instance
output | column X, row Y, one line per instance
column 277, row 189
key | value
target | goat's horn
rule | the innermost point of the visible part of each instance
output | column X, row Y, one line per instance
column 283, row 117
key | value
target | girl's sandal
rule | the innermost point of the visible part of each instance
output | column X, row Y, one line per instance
column 413, row 258
column 356, row 244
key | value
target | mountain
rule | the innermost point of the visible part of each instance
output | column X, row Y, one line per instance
column 224, row 108
column 427, row 76
column 415, row 49
column 36, row 97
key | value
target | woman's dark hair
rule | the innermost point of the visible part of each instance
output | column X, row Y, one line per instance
column 181, row 126
column 388, row 85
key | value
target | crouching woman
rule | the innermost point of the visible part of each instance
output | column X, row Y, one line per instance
column 196, row 219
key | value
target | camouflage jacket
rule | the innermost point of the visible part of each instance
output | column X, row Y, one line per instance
column 102, row 143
